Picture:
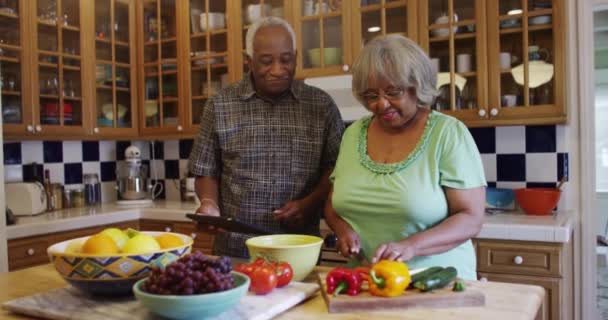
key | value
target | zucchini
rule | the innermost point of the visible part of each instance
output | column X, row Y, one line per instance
column 437, row 280
column 458, row 286
column 423, row 274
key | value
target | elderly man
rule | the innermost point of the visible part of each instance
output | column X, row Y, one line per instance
column 267, row 144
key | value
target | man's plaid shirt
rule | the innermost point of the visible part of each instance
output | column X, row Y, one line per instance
column 265, row 153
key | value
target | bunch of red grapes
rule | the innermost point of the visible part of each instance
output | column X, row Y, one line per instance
column 193, row 273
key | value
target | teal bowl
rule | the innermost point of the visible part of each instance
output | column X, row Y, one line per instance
column 197, row 306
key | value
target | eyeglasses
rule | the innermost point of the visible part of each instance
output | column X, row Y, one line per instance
column 391, row 95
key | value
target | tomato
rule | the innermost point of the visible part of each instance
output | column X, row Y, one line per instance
column 245, row 268
column 263, row 280
column 259, row 262
column 284, row 273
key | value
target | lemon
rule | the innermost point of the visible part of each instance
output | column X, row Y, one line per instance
column 131, row 232
column 75, row 246
column 168, row 240
column 117, row 235
column 100, row 244
column 141, row 243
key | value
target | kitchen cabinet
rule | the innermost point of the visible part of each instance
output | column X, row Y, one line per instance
column 115, row 112
column 498, row 62
column 548, row 265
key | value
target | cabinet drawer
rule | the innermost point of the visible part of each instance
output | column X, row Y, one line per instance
column 520, row 258
column 156, row 225
column 202, row 241
column 25, row 253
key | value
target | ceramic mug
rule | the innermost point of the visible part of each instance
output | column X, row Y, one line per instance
column 505, row 60
column 463, row 63
column 508, row 100
column 435, row 64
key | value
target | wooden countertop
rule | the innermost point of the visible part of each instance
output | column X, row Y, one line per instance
column 503, row 301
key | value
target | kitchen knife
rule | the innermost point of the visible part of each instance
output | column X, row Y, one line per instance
column 228, row 224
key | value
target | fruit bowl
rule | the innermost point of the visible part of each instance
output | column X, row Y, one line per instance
column 537, row 201
column 111, row 274
column 197, row 306
column 301, row 251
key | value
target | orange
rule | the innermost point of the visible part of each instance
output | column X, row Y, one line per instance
column 167, row 240
column 100, row 244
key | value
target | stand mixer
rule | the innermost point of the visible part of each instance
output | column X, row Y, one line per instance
column 132, row 180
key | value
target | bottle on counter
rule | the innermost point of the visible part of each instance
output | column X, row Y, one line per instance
column 48, row 190
column 92, row 189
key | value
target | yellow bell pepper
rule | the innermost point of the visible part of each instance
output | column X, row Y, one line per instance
column 388, row 278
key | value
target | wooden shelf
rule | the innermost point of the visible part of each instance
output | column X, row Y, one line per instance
column 71, row 56
column 467, row 74
column 151, row 43
column 540, row 27
column 121, row 43
column 505, row 70
column 541, row 12
column 47, row 23
column 201, row 97
column 70, row 28
column 48, row 53
column 212, row 32
column 456, row 37
column 123, row 65
column 168, row 40
column 9, row 59
column 123, row 89
column 511, row 30
column 48, row 65
column 104, row 87
column 9, row 15
column 48, row 96
column 10, row 47
column 103, row 40
column 170, row 99
column 72, row 68
column 100, row 61
column 213, row 66
column 164, row 73
column 335, row 14
column 72, row 98
column 11, row 93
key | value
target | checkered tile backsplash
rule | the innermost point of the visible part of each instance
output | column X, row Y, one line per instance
column 513, row 157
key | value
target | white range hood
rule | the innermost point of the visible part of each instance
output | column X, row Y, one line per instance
column 339, row 88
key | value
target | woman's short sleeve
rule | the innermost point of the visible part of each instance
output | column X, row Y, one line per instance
column 460, row 165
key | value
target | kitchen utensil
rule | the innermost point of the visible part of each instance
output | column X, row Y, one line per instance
column 364, row 301
column 111, row 274
column 25, row 198
column 227, row 223
column 301, row 251
column 444, row 32
column 132, row 176
column 537, row 201
column 196, row 306
column 362, row 258
column 561, row 183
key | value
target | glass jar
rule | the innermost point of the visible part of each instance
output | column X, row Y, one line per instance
column 77, row 197
column 92, row 189
column 57, row 196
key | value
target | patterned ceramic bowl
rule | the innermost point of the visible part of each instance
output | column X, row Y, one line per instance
column 111, row 274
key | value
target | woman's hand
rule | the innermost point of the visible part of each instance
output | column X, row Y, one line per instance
column 401, row 251
column 349, row 242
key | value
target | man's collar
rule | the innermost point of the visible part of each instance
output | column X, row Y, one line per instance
column 248, row 91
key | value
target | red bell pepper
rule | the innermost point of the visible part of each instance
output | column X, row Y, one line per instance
column 341, row 280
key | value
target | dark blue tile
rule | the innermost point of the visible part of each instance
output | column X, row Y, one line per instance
column 171, row 169
column 52, row 151
column 562, row 166
column 90, row 151
column 121, row 146
column 485, row 138
column 540, row 139
column 146, row 163
column 160, row 195
column 12, row 153
column 108, row 171
column 185, row 146
column 491, row 184
column 511, row 167
column 159, row 150
column 72, row 173
column 540, row 184
column 33, row 172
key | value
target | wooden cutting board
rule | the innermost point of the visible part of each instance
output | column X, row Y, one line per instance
column 364, row 301
column 69, row 303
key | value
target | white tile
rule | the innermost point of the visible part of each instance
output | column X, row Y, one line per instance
column 13, row 173
column 157, row 169
column 72, row 151
column 541, row 167
column 511, row 139
column 560, row 136
column 91, row 167
column 144, row 147
column 183, row 168
column 108, row 192
column 510, row 184
column 489, row 166
column 107, row 150
column 56, row 172
column 171, row 150
column 172, row 190
column 31, row 151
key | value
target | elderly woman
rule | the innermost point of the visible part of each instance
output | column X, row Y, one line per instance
column 408, row 182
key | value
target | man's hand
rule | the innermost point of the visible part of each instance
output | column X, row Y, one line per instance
column 293, row 213
column 209, row 208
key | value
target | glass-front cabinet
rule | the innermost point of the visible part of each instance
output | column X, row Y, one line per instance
column 161, row 59
column 58, row 83
column 115, row 106
column 14, row 78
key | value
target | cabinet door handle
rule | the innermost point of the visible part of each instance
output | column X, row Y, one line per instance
column 494, row 112
column 483, row 279
column 29, row 128
column 96, row 130
column 482, row 113
column 38, row 128
column 167, row 229
column 193, row 235
column 518, row 260
column 180, row 128
column 345, row 68
column 31, row 251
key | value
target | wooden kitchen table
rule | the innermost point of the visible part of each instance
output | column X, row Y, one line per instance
column 503, row 300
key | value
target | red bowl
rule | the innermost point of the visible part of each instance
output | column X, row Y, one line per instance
column 537, row 201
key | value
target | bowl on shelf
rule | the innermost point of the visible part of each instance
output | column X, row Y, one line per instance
column 537, row 201
column 196, row 306
column 111, row 274
column 331, row 56
column 511, row 23
column 216, row 20
column 301, row 251
column 539, row 20
column 500, row 198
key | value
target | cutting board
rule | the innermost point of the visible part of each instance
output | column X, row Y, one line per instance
column 69, row 303
column 413, row 298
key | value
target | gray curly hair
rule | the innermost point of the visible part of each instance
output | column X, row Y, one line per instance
column 400, row 61
column 267, row 22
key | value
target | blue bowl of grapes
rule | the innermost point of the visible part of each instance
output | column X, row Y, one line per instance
column 194, row 287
